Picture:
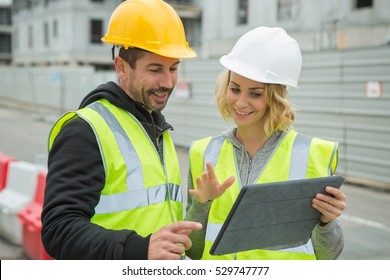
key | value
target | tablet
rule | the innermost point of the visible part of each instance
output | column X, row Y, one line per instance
column 272, row 216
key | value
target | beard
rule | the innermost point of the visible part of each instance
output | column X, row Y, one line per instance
column 153, row 99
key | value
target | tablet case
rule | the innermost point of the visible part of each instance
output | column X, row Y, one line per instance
column 272, row 216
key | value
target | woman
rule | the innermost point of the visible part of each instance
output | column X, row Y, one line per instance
column 263, row 147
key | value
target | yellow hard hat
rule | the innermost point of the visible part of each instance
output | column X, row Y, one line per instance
column 152, row 25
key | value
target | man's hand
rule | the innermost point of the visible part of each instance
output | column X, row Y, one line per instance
column 169, row 242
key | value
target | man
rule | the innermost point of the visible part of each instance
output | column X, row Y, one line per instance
column 113, row 184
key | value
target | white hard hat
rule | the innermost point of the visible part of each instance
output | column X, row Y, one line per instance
column 267, row 55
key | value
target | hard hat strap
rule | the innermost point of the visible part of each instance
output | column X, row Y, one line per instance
column 113, row 52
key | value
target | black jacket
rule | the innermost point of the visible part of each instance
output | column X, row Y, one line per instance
column 74, row 181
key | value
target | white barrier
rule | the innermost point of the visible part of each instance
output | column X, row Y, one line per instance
column 18, row 193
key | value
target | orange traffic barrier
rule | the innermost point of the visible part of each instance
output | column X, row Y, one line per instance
column 30, row 219
column 4, row 162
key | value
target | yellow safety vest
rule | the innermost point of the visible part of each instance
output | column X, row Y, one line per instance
column 140, row 193
column 296, row 157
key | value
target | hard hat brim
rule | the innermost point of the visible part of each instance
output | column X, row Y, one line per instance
column 252, row 73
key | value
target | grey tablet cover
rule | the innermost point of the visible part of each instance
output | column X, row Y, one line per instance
column 272, row 216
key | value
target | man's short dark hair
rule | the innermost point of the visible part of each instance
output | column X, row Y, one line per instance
column 131, row 55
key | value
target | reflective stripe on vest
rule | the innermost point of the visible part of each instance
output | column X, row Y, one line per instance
column 136, row 196
column 299, row 157
column 135, row 199
column 133, row 162
column 138, row 187
column 293, row 145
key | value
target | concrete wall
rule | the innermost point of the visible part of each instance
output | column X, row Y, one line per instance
column 332, row 104
column 58, row 87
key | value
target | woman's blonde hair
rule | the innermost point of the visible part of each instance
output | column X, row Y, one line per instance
column 280, row 112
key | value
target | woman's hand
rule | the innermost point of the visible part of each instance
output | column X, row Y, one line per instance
column 208, row 187
column 330, row 206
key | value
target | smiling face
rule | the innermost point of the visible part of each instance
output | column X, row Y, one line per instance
column 246, row 102
column 151, row 81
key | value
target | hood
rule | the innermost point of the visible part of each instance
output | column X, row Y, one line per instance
column 110, row 91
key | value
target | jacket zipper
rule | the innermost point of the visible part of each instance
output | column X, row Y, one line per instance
column 249, row 170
